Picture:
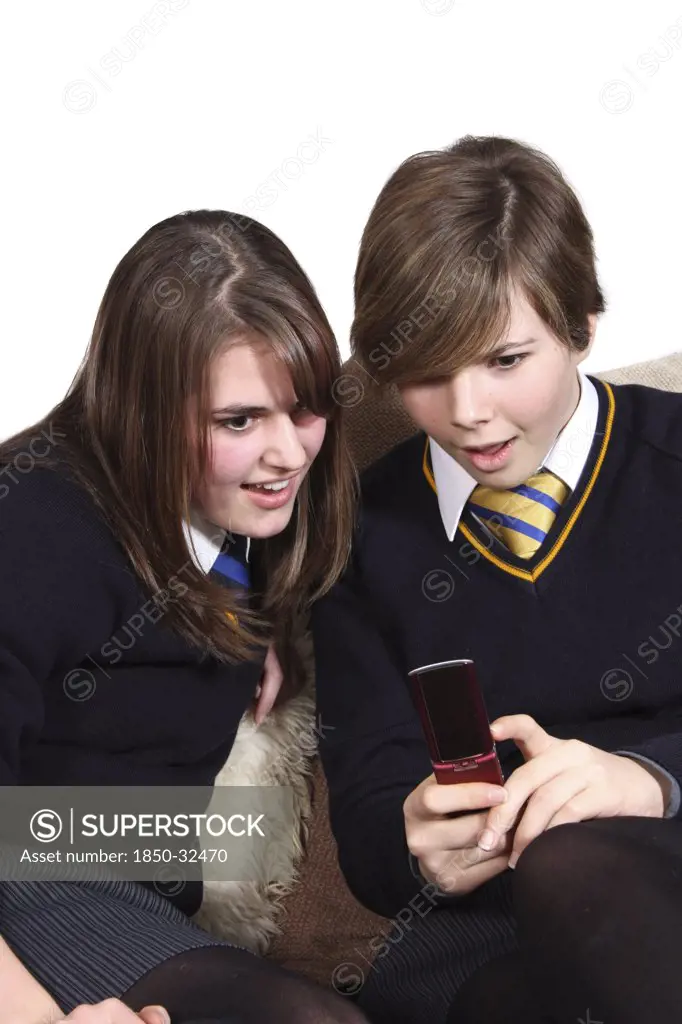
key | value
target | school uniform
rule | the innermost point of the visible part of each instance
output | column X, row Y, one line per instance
column 96, row 689
column 581, row 636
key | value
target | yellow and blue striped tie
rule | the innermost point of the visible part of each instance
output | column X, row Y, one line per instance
column 522, row 516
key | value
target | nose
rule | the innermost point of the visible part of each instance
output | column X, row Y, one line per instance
column 283, row 450
column 470, row 399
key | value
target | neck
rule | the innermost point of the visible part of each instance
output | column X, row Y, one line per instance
column 573, row 405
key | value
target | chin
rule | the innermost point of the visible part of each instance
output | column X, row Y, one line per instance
column 505, row 479
column 516, row 479
column 251, row 522
column 261, row 532
column 268, row 524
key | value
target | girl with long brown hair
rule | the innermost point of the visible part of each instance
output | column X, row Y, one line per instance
column 164, row 529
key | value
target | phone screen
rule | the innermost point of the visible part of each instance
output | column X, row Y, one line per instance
column 453, row 706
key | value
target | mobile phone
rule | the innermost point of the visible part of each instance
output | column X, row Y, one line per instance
column 455, row 722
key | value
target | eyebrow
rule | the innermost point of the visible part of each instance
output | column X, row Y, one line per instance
column 509, row 345
column 249, row 410
column 242, row 410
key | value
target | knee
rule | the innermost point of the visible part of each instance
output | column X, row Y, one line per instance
column 544, row 854
column 306, row 1002
column 562, row 863
column 339, row 1011
column 306, row 1011
column 349, row 1013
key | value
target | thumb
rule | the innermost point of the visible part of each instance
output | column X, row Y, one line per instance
column 154, row 1015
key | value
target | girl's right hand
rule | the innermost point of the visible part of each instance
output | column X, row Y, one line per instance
column 113, row 1011
column 447, row 848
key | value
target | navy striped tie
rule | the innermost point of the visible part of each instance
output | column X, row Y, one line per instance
column 231, row 562
column 522, row 516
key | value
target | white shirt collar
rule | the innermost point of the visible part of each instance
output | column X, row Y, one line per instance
column 205, row 540
column 566, row 458
column 568, row 455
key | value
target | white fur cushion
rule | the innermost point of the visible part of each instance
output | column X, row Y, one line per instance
column 278, row 752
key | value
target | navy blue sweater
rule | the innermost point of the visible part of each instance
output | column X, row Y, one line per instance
column 95, row 688
column 584, row 636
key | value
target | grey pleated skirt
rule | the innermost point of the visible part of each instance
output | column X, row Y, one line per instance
column 421, row 966
column 89, row 941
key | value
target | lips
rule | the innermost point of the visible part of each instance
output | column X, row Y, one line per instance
column 273, row 487
column 488, row 449
column 489, row 458
column 269, row 486
column 266, row 498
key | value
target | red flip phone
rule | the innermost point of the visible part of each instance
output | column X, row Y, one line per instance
column 455, row 722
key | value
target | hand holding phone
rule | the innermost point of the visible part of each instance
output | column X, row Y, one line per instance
column 455, row 722
column 462, row 749
column 443, row 825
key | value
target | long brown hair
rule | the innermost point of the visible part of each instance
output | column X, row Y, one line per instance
column 450, row 235
column 190, row 285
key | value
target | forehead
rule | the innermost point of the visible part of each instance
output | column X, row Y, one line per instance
column 248, row 371
column 524, row 322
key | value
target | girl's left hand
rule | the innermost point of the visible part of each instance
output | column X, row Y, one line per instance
column 566, row 781
column 269, row 686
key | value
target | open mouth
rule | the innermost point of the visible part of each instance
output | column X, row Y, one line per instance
column 491, row 456
column 488, row 449
column 270, row 494
column 269, row 488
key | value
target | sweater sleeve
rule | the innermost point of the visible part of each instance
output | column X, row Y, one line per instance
column 56, row 603
column 371, row 746
column 663, row 752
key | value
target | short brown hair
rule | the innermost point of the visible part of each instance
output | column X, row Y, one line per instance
column 192, row 285
column 449, row 236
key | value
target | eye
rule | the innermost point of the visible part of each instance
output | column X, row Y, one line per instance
column 509, row 362
column 238, row 423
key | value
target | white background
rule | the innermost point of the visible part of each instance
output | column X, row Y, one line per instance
column 120, row 113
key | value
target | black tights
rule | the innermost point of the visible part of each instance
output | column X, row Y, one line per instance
column 223, row 985
column 599, row 910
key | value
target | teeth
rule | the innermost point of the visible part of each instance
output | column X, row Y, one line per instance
column 275, row 487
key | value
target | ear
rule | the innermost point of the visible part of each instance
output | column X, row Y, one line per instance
column 592, row 329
